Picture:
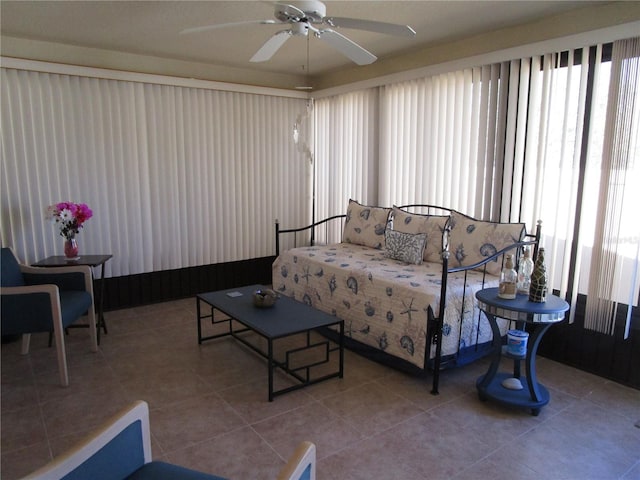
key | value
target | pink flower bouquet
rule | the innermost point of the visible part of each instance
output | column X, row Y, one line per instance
column 69, row 216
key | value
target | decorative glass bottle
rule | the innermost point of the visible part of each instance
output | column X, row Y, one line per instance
column 538, row 288
column 524, row 272
column 508, row 280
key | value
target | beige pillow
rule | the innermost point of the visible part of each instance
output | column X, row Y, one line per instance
column 432, row 225
column 471, row 241
column 365, row 225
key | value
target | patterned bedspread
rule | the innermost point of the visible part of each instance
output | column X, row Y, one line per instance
column 383, row 302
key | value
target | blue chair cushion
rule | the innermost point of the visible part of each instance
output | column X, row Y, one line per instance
column 167, row 471
column 10, row 276
column 73, row 304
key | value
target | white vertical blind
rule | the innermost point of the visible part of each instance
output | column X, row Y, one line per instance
column 551, row 157
column 346, row 153
column 615, row 238
column 505, row 142
column 176, row 176
column 439, row 140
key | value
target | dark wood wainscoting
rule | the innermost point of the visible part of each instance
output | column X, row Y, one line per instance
column 608, row 356
column 155, row 287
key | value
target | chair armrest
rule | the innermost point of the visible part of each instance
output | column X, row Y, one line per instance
column 120, row 446
column 301, row 465
column 49, row 289
column 73, row 277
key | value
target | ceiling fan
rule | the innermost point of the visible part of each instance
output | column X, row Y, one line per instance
column 310, row 15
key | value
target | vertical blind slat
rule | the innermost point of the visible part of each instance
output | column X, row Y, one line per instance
column 176, row 176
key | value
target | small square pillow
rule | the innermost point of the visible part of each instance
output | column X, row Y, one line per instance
column 365, row 225
column 432, row 225
column 405, row 247
column 471, row 240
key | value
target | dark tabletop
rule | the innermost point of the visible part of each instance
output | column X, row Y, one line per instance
column 62, row 261
column 286, row 317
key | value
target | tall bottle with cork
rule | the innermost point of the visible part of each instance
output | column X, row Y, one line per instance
column 524, row 272
column 508, row 279
column 538, row 289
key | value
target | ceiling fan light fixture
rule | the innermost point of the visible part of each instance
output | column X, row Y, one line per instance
column 302, row 16
column 312, row 11
column 300, row 29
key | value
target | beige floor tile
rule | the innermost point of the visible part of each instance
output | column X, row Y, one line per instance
column 240, row 454
column 566, row 379
column 251, row 401
column 437, row 448
column 417, row 389
column 623, row 400
column 312, row 422
column 22, row 428
column 21, row 462
column 357, row 372
column 371, row 458
column 611, row 435
column 371, row 408
column 83, row 410
column 208, row 417
column 209, row 411
column 555, row 453
column 503, row 469
column 14, row 365
column 490, row 421
column 18, row 391
column 161, row 388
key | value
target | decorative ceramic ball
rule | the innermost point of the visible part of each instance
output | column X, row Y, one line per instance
column 265, row 297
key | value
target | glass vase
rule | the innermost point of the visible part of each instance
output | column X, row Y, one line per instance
column 71, row 248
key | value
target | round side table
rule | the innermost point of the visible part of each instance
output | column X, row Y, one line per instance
column 522, row 311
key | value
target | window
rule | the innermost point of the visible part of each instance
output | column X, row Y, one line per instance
column 513, row 141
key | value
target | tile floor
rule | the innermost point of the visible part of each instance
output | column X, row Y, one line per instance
column 209, row 411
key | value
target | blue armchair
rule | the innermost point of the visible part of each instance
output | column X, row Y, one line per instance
column 121, row 449
column 45, row 300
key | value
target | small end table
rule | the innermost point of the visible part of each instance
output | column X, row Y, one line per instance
column 522, row 311
column 91, row 261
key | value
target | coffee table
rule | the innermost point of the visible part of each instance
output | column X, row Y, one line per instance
column 286, row 318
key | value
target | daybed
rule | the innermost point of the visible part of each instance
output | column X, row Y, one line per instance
column 393, row 274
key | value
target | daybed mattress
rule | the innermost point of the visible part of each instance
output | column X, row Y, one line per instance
column 384, row 302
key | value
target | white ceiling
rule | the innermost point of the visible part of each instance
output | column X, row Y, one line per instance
column 153, row 28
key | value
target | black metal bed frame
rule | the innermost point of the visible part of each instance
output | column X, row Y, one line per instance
column 434, row 324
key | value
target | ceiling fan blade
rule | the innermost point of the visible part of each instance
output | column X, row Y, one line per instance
column 347, row 47
column 206, row 28
column 371, row 26
column 271, row 46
